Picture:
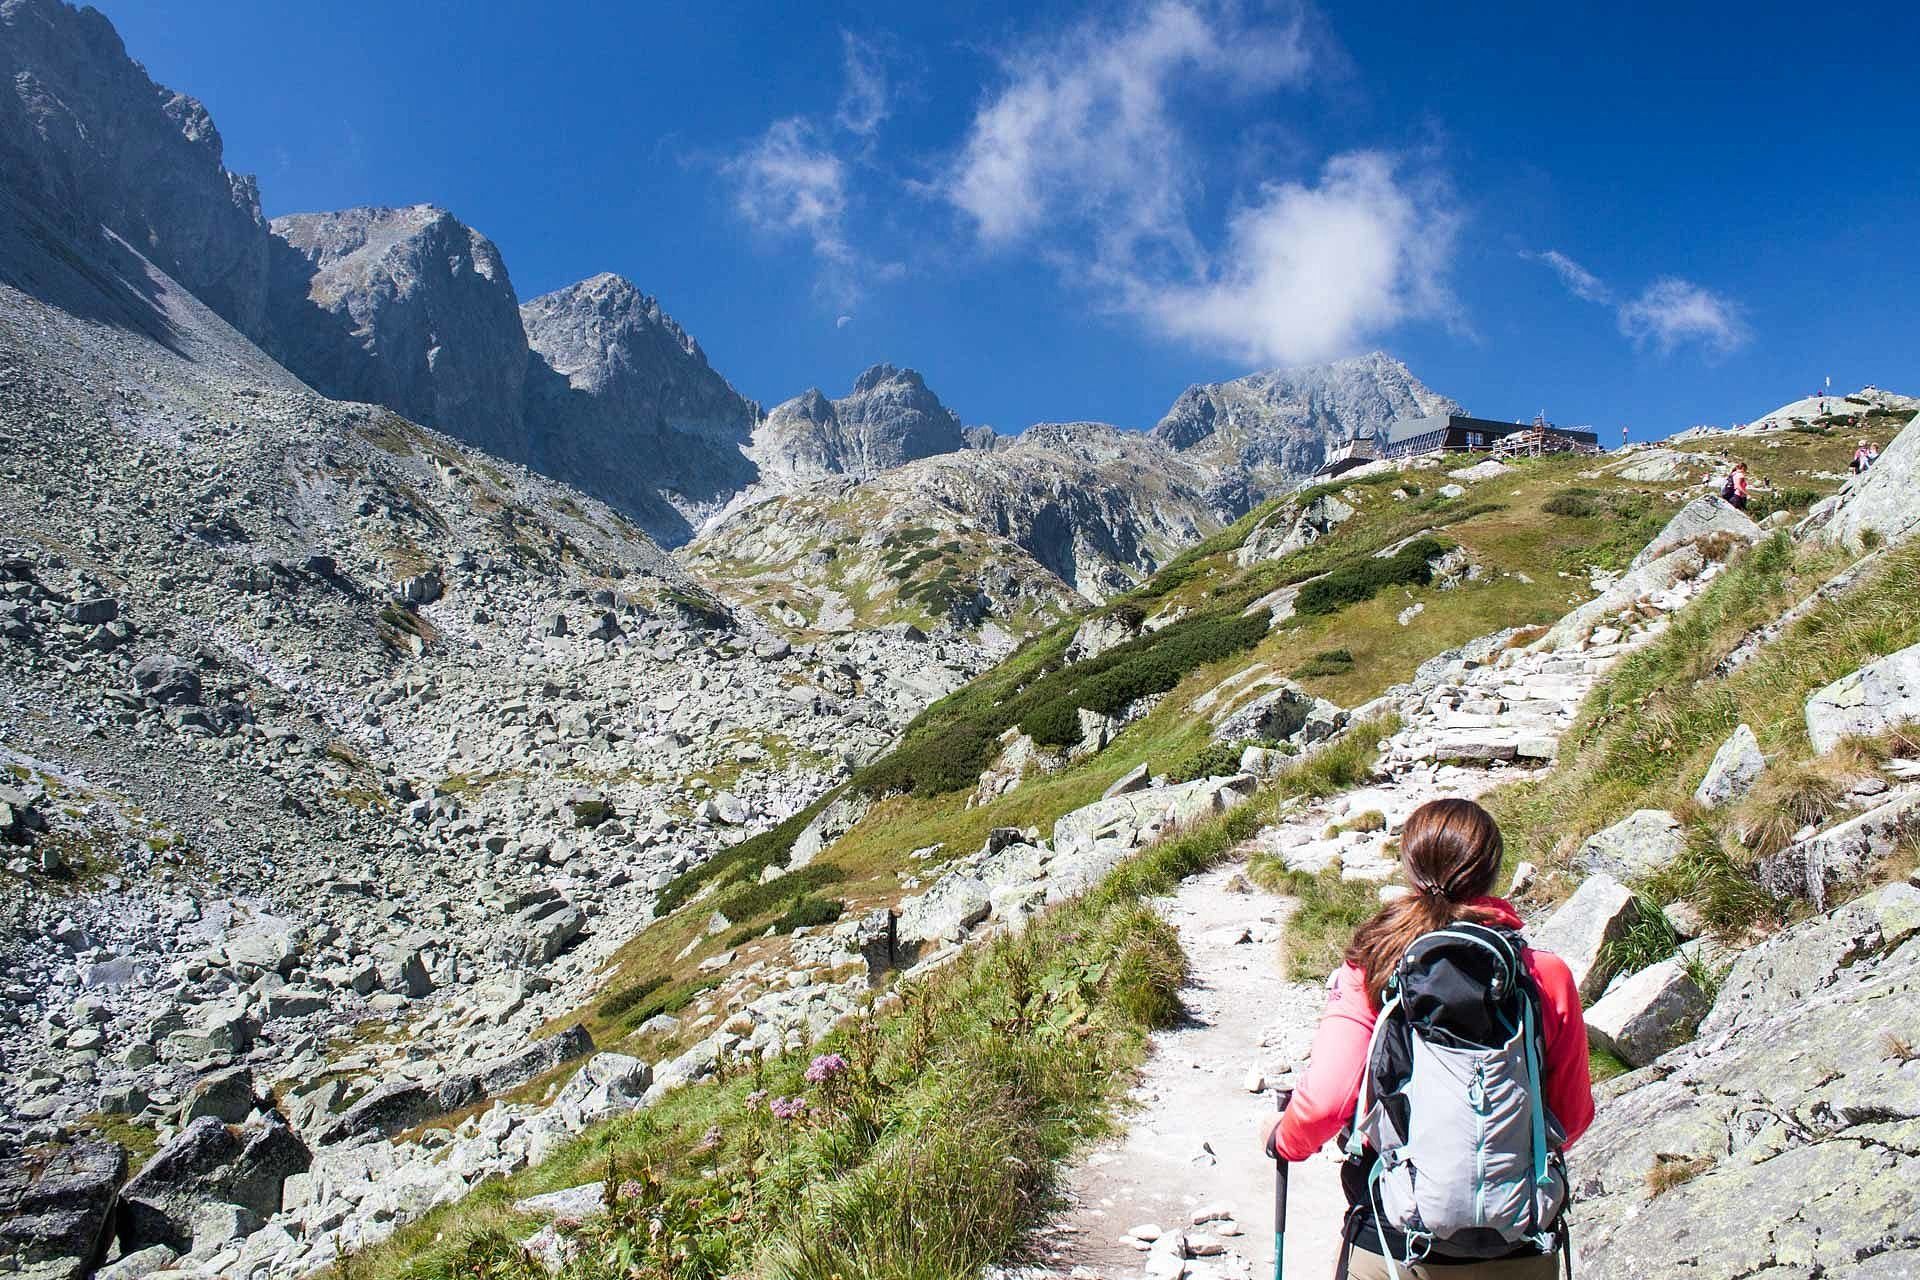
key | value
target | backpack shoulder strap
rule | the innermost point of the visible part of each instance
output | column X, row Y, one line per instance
column 1356, row 1139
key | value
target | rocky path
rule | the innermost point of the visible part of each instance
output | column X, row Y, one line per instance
column 1186, row 1192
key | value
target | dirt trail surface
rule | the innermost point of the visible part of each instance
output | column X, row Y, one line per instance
column 1192, row 1145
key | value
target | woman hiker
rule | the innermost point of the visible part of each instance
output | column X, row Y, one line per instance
column 1735, row 490
column 1450, row 852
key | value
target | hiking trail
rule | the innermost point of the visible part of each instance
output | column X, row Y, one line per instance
column 1190, row 1150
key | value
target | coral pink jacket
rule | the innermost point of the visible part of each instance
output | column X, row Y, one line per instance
column 1324, row 1101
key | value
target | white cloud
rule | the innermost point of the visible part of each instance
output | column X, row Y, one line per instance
column 1580, row 282
column 842, row 321
column 787, row 182
column 1309, row 272
column 865, row 101
column 1086, row 155
column 1669, row 313
column 1672, row 312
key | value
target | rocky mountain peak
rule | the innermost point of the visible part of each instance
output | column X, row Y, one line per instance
column 1278, row 425
column 890, row 417
column 406, row 307
column 622, row 402
column 87, row 139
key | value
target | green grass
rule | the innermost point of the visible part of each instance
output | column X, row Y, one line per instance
column 1320, row 928
column 1328, row 662
column 932, row 1156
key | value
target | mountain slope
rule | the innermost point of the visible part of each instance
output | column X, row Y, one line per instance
column 621, row 402
column 1008, row 537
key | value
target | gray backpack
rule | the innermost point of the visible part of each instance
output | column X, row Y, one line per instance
column 1462, row 1158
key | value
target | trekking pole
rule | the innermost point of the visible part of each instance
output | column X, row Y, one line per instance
column 1281, row 1097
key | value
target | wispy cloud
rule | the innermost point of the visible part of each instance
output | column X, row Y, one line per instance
column 1580, row 282
column 1085, row 154
column 1668, row 314
column 1672, row 313
column 788, row 182
column 866, row 100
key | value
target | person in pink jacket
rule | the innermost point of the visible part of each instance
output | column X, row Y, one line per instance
column 1450, row 852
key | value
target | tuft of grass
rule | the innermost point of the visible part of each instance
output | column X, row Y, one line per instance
column 1321, row 926
column 1602, row 1065
column 1670, row 1171
column 1647, row 940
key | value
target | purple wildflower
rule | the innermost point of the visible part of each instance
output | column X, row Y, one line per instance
column 825, row 1067
column 788, row 1108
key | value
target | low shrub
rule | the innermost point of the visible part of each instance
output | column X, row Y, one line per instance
column 1361, row 579
column 1328, row 662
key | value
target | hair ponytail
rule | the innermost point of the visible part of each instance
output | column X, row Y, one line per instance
column 1450, row 850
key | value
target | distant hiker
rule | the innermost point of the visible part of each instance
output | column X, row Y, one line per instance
column 1735, row 489
column 1454, row 1057
column 1861, row 458
column 1873, row 453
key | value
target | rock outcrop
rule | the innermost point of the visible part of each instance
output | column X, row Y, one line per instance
column 1884, row 694
column 1878, row 507
column 89, row 140
column 621, row 402
column 1782, row 1141
column 1261, row 433
column 409, row 308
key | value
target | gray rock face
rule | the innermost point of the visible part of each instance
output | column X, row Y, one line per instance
column 1789, row 1126
column 890, row 417
column 208, row 1163
column 1579, row 931
column 89, row 140
column 54, row 1214
column 1639, row 844
column 1736, row 766
column 620, row 401
column 1701, row 520
column 409, row 308
column 1879, row 696
column 1841, row 854
column 1881, row 503
column 1266, row 430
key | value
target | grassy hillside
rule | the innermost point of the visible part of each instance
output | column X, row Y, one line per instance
column 1002, row 1063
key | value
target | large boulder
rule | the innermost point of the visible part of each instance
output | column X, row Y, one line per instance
column 208, row 1163
column 1736, row 766
column 541, row 1056
column 1285, row 713
column 1288, row 530
column 401, row 1104
column 833, row 821
column 946, row 911
column 1784, row 1141
column 1702, row 520
column 1647, row 1014
column 1641, row 843
column 1880, row 504
column 1598, row 913
column 1879, row 696
column 170, row 681
column 606, row 1084
column 1101, row 632
column 54, row 1209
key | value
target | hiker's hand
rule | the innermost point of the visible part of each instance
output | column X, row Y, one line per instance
column 1268, row 1123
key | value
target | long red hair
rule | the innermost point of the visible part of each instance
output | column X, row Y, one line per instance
column 1450, row 850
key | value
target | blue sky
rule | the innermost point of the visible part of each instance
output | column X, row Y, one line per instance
column 1616, row 214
